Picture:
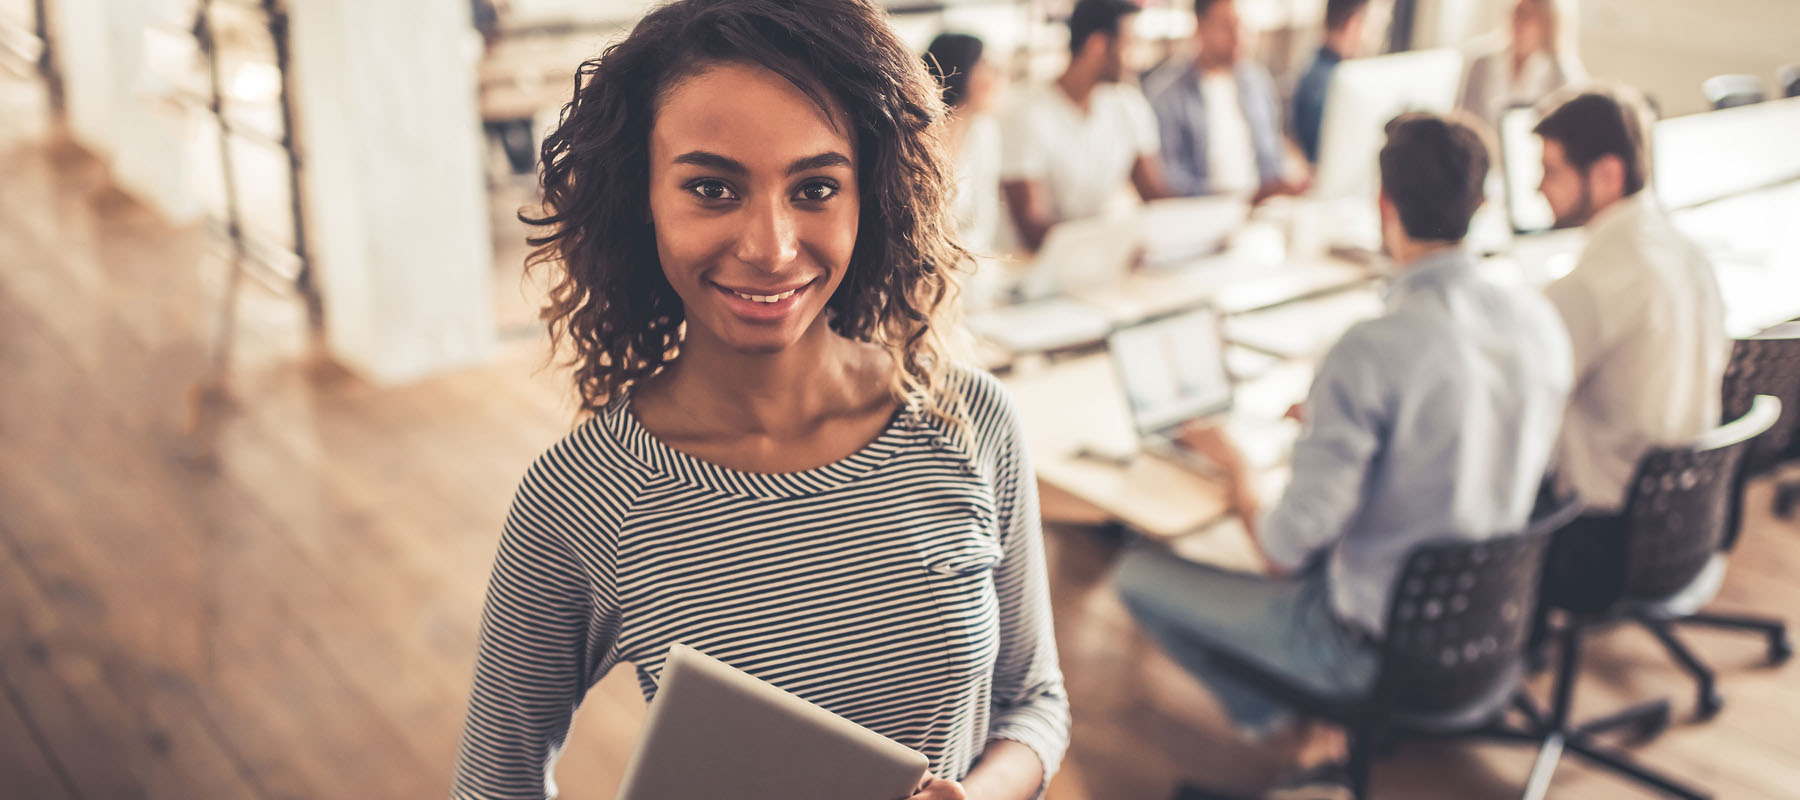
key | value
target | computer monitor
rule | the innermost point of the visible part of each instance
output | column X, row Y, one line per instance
column 1365, row 94
column 1172, row 369
column 1522, row 165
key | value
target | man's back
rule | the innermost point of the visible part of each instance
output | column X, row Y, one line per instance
column 1646, row 323
column 1437, row 419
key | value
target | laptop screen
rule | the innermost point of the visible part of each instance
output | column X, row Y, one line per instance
column 1172, row 369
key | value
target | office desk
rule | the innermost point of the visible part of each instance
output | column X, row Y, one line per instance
column 1229, row 283
column 1078, row 404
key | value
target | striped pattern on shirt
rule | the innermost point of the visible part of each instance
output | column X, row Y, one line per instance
column 902, row 587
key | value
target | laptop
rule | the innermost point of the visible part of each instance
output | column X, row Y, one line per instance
column 1082, row 254
column 1173, row 370
column 715, row 731
column 1179, row 230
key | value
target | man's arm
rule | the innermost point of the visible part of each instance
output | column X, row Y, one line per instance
column 1148, row 178
column 1030, row 210
column 1346, row 420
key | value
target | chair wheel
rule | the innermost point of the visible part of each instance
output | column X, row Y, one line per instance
column 1780, row 647
column 1709, row 704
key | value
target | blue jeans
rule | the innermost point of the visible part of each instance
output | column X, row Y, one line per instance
column 1285, row 625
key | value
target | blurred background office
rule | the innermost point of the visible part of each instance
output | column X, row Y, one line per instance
column 270, row 361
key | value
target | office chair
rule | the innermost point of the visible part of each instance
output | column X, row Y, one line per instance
column 1675, row 520
column 1789, row 80
column 1730, row 91
column 1451, row 663
column 1767, row 363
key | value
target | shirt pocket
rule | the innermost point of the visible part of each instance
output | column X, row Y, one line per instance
column 962, row 538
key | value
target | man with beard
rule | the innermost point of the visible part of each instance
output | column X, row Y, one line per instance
column 1072, row 145
column 1646, row 324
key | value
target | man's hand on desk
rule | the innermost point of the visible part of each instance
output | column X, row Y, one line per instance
column 1281, row 187
column 1211, row 441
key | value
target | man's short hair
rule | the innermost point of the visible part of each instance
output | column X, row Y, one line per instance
column 1203, row 7
column 1339, row 12
column 1097, row 17
column 1601, row 122
column 1434, row 170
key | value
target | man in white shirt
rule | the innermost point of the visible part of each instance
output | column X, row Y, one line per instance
column 1071, row 146
column 1645, row 319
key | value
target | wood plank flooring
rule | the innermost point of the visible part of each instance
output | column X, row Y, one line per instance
column 276, row 596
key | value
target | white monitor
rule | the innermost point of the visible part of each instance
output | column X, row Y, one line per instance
column 1703, row 157
column 1172, row 369
column 1522, row 165
column 1364, row 95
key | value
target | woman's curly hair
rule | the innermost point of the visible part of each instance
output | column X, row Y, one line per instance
column 610, row 303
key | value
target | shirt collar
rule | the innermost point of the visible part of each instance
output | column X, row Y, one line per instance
column 1620, row 215
column 1327, row 55
column 1450, row 264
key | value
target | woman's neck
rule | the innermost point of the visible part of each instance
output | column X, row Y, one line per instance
column 780, row 394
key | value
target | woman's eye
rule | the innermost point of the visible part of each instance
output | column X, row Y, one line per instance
column 816, row 192
column 711, row 190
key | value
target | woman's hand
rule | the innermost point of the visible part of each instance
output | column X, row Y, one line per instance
column 940, row 789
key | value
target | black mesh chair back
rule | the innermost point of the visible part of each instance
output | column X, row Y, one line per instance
column 1731, row 91
column 1459, row 616
column 1768, row 363
column 1679, row 504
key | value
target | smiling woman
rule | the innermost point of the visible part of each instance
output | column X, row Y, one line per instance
column 747, row 210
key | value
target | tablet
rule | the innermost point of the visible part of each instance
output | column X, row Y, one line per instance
column 715, row 731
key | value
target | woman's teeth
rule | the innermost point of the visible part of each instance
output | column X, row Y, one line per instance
column 767, row 298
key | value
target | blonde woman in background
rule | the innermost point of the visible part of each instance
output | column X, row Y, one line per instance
column 1537, row 59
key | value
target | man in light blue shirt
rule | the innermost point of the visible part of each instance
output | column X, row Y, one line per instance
column 1434, row 420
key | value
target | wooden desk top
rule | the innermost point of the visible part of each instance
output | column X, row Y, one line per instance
column 1077, row 404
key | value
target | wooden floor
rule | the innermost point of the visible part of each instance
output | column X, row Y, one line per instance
column 277, row 596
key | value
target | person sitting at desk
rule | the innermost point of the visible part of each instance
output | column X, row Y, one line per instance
column 1343, row 39
column 1071, row 145
column 970, row 83
column 1647, row 322
column 1436, row 419
column 1217, row 113
column 1537, row 60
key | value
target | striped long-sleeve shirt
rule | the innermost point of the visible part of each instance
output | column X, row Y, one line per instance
column 902, row 587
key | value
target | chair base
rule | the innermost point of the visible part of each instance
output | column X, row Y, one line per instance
column 1708, row 701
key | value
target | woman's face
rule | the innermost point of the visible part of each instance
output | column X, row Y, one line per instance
column 1530, row 27
column 754, row 198
column 985, row 80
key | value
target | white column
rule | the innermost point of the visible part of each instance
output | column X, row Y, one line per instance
column 393, row 189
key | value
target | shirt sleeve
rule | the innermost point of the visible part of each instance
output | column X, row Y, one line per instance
column 542, row 623
column 1030, row 704
column 1185, row 176
column 1142, row 119
column 1346, row 420
column 1024, row 156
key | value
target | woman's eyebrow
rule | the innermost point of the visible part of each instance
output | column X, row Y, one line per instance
column 726, row 164
column 820, row 161
column 701, row 158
